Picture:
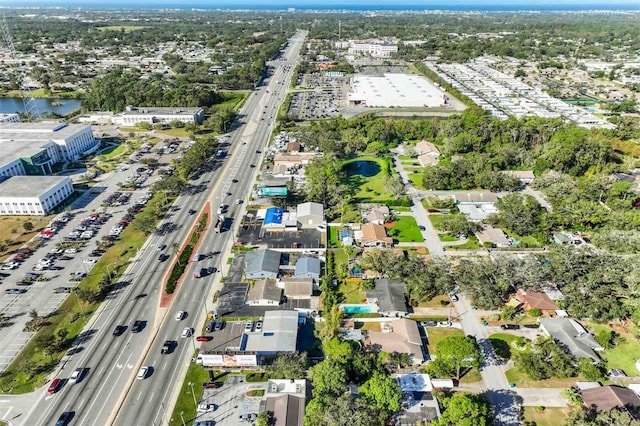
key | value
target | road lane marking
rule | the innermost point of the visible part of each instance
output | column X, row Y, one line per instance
column 139, row 395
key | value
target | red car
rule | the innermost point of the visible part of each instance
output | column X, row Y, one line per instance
column 211, row 385
column 55, row 386
column 203, row 338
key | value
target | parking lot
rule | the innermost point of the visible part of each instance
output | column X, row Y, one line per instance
column 325, row 101
column 252, row 234
column 231, row 401
column 41, row 279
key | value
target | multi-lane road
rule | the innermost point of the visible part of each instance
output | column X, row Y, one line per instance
column 110, row 393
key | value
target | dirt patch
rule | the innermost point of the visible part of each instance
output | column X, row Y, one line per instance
column 390, row 224
column 166, row 299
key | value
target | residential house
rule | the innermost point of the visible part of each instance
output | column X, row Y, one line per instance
column 560, row 238
column 293, row 148
column 264, row 293
column 262, row 264
column 310, row 215
column 399, row 336
column 374, row 235
column 534, row 299
column 286, row 409
column 572, row 336
column 297, row 288
column 477, row 212
column 476, row 198
column 427, row 160
column 494, row 236
column 308, row 267
column 427, row 148
column 524, row 176
column 376, row 213
column 389, row 296
column 606, row 398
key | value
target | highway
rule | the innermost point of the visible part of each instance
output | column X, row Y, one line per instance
column 150, row 401
column 110, row 387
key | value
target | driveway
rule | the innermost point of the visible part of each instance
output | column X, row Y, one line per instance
column 501, row 397
column 541, row 397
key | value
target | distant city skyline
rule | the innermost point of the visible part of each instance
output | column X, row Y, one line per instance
column 336, row 4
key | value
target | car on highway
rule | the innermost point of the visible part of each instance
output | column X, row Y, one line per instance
column 15, row 290
column 119, row 330
column 65, row 418
column 239, row 201
column 187, row 332
column 137, row 326
column 203, row 338
column 162, row 247
column 192, row 211
column 167, row 346
column 205, row 408
column 142, row 373
column 180, row 315
column 77, row 375
column 55, row 386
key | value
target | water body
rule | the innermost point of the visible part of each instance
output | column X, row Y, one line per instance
column 58, row 106
column 364, row 168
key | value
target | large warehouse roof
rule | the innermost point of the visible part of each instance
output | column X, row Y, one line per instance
column 395, row 90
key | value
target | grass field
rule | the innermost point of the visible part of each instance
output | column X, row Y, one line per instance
column 436, row 220
column 514, row 375
column 14, row 240
column 502, row 344
column 472, row 243
column 177, row 133
column 334, row 239
column 42, row 93
column 528, row 241
column 435, row 334
column 448, row 238
column 416, row 180
column 550, row 416
column 405, row 230
column 196, row 375
column 370, row 188
column 113, row 151
column 623, row 355
column 436, row 302
column 351, row 293
column 233, row 100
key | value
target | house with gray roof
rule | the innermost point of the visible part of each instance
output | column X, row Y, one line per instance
column 572, row 336
column 308, row 267
column 262, row 264
column 389, row 296
column 310, row 215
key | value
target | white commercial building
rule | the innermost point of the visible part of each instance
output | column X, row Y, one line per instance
column 395, row 90
column 9, row 118
column 71, row 140
column 153, row 115
column 377, row 49
column 33, row 195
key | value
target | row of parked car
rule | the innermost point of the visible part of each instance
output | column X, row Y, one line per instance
column 117, row 199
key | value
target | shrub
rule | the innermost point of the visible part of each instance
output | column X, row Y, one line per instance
column 534, row 313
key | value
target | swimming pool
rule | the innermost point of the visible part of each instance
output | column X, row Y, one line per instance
column 358, row 309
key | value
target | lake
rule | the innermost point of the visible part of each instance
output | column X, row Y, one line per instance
column 62, row 106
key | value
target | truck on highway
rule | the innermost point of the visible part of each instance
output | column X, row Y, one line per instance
column 166, row 347
column 220, row 224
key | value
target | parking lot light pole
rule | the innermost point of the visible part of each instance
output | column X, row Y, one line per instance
column 195, row 403
column 182, row 418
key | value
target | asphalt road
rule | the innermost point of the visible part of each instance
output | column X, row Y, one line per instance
column 113, row 362
column 150, row 401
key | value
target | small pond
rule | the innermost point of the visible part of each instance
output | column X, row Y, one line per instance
column 363, row 168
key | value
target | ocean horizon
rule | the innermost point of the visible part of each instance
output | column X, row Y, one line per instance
column 354, row 5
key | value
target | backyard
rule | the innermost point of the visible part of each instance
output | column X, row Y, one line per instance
column 624, row 354
column 351, row 292
column 405, row 230
column 435, row 334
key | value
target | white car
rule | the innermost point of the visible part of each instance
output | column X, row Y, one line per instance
column 205, row 408
column 71, row 251
column 142, row 373
column 90, row 261
column 180, row 315
column 187, row 332
column 77, row 375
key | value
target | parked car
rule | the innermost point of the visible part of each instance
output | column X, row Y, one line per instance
column 218, row 325
column 203, row 338
column 510, row 327
column 205, row 408
column 211, row 385
column 454, row 297
column 248, row 326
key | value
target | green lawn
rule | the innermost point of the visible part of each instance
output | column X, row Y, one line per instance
column 436, row 302
column 351, row 293
column 502, row 344
column 623, row 355
column 448, row 238
column 528, row 241
column 334, row 238
column 178, row 133
column 406, row 230
column 370, row 188
column 550, row 416
column 196, row 375
column 472, row 243
column 416, row 180
column 233, row 100
column 514, row 375
column 436, row 220
column 435, row 334
column 113, row 151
